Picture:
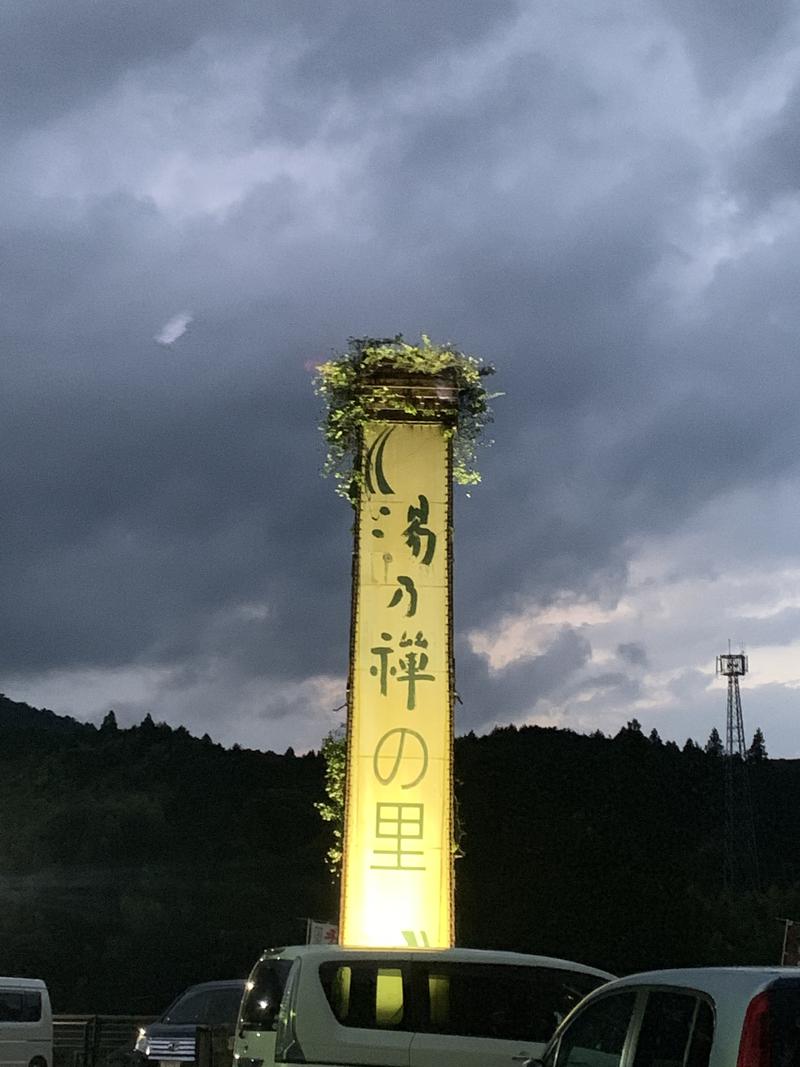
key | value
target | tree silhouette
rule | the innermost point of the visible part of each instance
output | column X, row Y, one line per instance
column 758, row 749
column 714, row 745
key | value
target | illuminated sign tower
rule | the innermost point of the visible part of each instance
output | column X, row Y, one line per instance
column 402, row 424
column 397, row 877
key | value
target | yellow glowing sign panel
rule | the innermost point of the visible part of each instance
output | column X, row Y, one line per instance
column 397, row 871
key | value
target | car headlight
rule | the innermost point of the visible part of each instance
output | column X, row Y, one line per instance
column 141, row 1040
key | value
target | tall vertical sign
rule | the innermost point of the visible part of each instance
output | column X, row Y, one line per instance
column 397, row 877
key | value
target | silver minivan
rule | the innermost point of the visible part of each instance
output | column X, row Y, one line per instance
column 329, row 1005
column 26, row 1023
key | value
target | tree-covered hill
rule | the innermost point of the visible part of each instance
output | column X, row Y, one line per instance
column 136, row 861
column 610, row 851
column 133, row 862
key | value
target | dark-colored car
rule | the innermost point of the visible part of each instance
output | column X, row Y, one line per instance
column 170, row 1040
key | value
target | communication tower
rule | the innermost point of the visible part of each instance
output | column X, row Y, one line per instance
column 741, row 851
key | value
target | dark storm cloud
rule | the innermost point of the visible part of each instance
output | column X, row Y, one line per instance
column 770, row 167
column 632, row 652
column 150, row 516
column 55, row 57
column 467, row 170
column 488, row 697
column 723, row 39
column 782, row 628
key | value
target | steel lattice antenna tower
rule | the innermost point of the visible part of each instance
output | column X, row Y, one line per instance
column 741, row 850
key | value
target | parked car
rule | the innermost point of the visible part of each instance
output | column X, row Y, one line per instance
column 698, row 1017
column 26, row 1023
column 404, row 1007
column 170, row 1040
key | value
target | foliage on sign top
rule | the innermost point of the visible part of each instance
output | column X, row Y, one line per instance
column 341, row 383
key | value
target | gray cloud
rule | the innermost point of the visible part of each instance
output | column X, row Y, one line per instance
column 769, row 167
column 633, row 652
column 490, row 697
column 724, row 41
column 545, row 188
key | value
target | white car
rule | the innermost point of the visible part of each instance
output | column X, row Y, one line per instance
column 697, row 1017
column 404, row 1007
column 26, row 1023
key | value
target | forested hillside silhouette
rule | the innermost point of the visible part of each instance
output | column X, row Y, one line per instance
column 134, row 862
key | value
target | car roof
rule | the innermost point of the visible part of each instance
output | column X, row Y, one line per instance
column 712, row 979
column 466, row 955
column 713, row 975
column 225, row 983
column 22, row 983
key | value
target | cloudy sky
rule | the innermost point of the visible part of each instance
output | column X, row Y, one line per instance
column 203, row 198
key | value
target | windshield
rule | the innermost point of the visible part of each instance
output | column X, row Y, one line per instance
column 214, row 1007
column 264, row 992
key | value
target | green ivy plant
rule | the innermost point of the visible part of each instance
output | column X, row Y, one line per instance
column 334, row 755
column 341, row 384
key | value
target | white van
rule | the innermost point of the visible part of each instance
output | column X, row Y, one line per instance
column 404, row 1007
column 26, row 1023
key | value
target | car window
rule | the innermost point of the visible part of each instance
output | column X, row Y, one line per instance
column 676, row 1031
column 365, row 994
column 20, row 1007
column 785, row 1019
column 264, row 992
column 213, row 1007
column 518, row 1003
column 596, row 1037
column 31, row 1007
column 702, row 1036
